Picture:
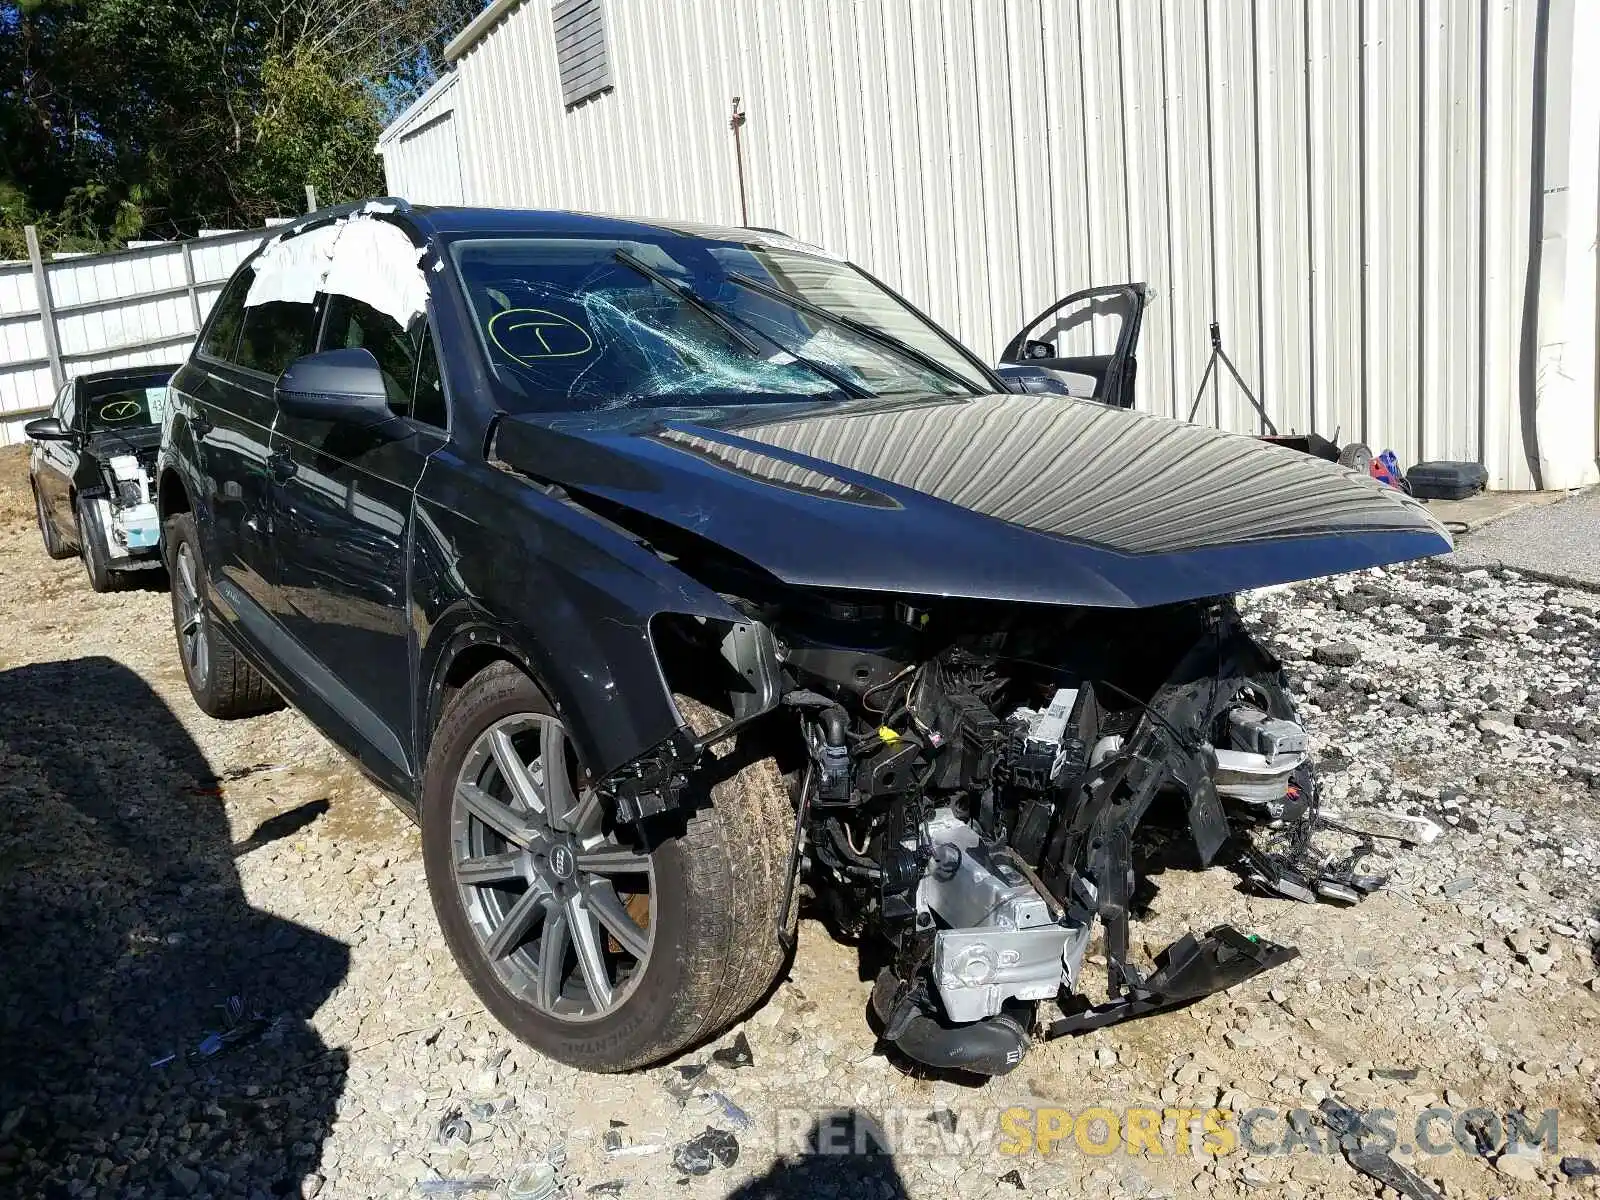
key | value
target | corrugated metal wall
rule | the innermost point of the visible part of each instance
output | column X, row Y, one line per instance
column 135, row 308
column 421, row 158
column 1344, row 185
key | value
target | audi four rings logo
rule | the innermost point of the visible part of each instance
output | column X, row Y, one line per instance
column 561, row 861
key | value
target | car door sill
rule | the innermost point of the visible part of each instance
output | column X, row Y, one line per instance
column 298, row 663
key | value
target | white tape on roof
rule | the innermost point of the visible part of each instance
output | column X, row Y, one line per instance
column 367, row 260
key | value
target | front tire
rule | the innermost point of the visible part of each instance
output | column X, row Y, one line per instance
column 603, row 949
column 92, row 549
column 222, row 683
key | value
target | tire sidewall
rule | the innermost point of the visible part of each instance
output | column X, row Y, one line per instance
column 180, row 530
column 90, row 548
column 625, row 1038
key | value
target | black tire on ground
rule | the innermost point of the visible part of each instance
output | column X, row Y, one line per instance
column 222, row 683
column 718, row 881
column 1358, row 457
column 54, row 545
column 92, row 549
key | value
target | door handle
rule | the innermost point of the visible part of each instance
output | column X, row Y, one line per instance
column 281, row 467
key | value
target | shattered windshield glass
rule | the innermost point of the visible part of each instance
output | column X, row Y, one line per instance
column 584, row 324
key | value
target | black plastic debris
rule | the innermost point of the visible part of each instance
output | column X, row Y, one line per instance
column 1014, row 1178
column 611, row 1187
column 1578, row 1168
column 944, row 1119
column 734, row 1056
column 1351, row 1127
column 611, row 1140
column 703, row 1154
column 453, row 1127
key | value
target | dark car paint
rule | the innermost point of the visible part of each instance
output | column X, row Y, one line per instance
column 356, row 577
column 62, row 471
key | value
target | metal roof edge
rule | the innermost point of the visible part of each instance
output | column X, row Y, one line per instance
column 416, row 110
column 477, row 28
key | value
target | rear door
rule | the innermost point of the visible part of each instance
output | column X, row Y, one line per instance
column 343, row 512
column 231, row 409
column 1085, row 343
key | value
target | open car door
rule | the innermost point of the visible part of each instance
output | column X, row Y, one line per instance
column 1082, row 345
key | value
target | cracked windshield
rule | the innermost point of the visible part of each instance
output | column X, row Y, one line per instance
column 581, row 324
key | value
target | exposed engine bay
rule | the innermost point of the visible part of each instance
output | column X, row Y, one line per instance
column 983, row 785
column 127, row 509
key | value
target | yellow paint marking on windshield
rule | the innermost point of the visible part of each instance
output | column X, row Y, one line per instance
column 120, row 410
column 538, row 334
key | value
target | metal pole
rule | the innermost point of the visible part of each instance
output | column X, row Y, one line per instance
column 311, row 197
column 735, row 123
column 47, row 314
column 188, row 279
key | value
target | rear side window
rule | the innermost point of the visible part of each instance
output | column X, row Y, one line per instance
column 275, row 334
column 222, row 335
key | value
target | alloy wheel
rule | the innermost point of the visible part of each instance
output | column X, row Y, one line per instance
column 562, row 910
column 191, row 617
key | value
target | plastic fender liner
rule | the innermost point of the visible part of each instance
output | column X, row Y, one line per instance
column 1185, row 971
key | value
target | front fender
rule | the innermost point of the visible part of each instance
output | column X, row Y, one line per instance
column 498, row 561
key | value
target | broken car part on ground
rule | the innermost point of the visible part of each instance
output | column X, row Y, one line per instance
column 730, row 583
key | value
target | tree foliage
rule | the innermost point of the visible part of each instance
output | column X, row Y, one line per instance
column 121, row 117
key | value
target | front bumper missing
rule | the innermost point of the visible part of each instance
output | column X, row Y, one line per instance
column 1189, row 969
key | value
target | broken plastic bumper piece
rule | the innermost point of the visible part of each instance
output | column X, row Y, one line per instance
column 1185, row 971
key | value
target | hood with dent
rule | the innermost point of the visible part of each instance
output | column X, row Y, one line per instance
column 1008, row 497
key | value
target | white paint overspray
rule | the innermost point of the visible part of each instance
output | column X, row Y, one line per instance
column 366, row 259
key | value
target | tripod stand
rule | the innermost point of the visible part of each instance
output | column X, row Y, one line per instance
column 1217, row 352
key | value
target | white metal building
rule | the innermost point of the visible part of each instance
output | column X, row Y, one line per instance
column 1389, row 206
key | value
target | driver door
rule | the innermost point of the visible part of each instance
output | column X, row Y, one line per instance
column 1082, row 345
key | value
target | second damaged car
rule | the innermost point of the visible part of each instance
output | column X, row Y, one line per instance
column 675, row 578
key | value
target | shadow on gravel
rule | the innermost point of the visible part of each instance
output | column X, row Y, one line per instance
column 125, row 940
column 845, row 1154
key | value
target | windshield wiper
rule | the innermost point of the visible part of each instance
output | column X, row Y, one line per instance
column 732, row 326
column 893, row 344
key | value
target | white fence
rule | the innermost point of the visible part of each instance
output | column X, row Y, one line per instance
column 87, row 313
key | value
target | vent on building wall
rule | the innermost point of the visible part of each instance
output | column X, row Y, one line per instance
column 581, row 56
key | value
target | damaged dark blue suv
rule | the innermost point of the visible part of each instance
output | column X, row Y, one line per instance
column 673, row 577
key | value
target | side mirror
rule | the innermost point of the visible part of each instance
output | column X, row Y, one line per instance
column 336, row 385
column 47, row 429
column 1032, row 349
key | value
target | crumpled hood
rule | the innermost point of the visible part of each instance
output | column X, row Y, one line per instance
column 1006, row 497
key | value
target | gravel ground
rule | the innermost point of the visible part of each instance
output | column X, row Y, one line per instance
column 232, row 902
column 1560, row 541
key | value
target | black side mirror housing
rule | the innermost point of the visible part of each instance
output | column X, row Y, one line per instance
column 337, row 385
column 47, row 429
column 1032, row 349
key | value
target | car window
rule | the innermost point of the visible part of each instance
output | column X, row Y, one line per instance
column 580, row 324
column 275, row 334
column 69, row 409
column 58, row 406
column 137, row 404
column 428, row 404
column 352, row 323
column 227, row 314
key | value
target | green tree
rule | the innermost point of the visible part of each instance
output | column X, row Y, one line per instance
column 162, row 116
